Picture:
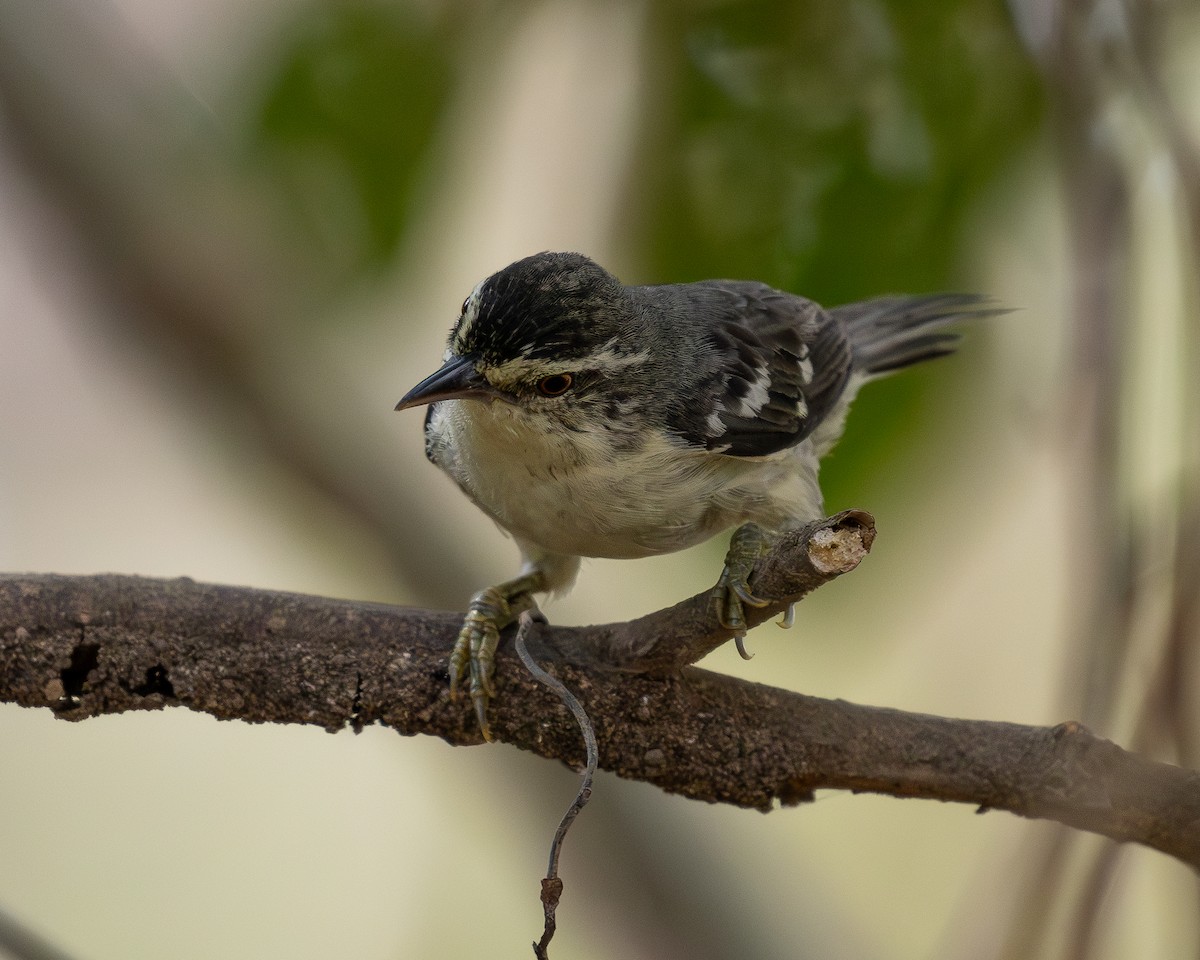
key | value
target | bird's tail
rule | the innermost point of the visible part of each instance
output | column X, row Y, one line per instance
column 894, row 332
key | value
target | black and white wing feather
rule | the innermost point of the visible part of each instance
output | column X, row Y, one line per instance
column 782, row 363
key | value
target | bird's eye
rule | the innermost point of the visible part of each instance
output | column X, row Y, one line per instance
column 555, row 385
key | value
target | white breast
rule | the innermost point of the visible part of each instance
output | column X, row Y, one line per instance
column 579, row 494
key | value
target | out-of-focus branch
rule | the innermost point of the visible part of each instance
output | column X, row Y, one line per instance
column 188, row 251
column 1147, row 32
column 18, row 942
column 1094, row 55
column 90, row 645
column 1172, row 695
column 1096, row 202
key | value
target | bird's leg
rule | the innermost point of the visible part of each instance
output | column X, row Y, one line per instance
column 732, row 593
column 474, row 654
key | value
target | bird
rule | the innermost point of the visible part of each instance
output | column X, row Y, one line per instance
column 589, row 418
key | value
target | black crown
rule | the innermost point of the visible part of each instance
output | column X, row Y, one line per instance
column 550, row 305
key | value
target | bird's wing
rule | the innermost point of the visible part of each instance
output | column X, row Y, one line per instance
column 782, row 363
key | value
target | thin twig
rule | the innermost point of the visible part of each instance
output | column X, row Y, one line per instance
column 552, row 886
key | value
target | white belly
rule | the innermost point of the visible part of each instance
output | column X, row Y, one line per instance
column 574, row 493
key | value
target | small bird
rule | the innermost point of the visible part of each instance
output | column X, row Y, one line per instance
column 592, row 419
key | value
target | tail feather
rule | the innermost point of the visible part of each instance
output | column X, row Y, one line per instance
column 889, row 333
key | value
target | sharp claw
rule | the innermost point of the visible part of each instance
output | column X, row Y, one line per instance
column 473, row 660
column 743, row 593
column 480, row 699
column 740, row 643
column 788, row 619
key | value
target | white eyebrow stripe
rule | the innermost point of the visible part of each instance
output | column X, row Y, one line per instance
column 608, row 358
column 523, row 368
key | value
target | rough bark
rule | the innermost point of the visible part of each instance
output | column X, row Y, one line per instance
column 87, row 645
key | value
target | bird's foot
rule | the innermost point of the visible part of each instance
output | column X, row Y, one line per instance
column 474, row 654
column 732, row 594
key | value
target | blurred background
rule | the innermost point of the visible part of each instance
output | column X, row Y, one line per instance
column 232, row 235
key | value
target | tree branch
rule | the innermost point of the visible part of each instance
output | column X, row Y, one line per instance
column 106, row 644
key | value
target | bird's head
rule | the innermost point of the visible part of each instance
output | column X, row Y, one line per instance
column 553, row 333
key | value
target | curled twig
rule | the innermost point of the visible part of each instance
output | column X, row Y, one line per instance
column 552, row 886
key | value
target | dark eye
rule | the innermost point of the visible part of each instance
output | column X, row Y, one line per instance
column 555, row 385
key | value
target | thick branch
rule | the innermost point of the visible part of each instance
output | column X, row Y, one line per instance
column 90, row 645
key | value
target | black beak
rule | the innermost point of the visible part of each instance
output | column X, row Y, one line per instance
column 457, row 378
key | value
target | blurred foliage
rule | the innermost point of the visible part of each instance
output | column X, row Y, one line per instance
column 834, row 150
column 830, row 149
column 345, row 120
